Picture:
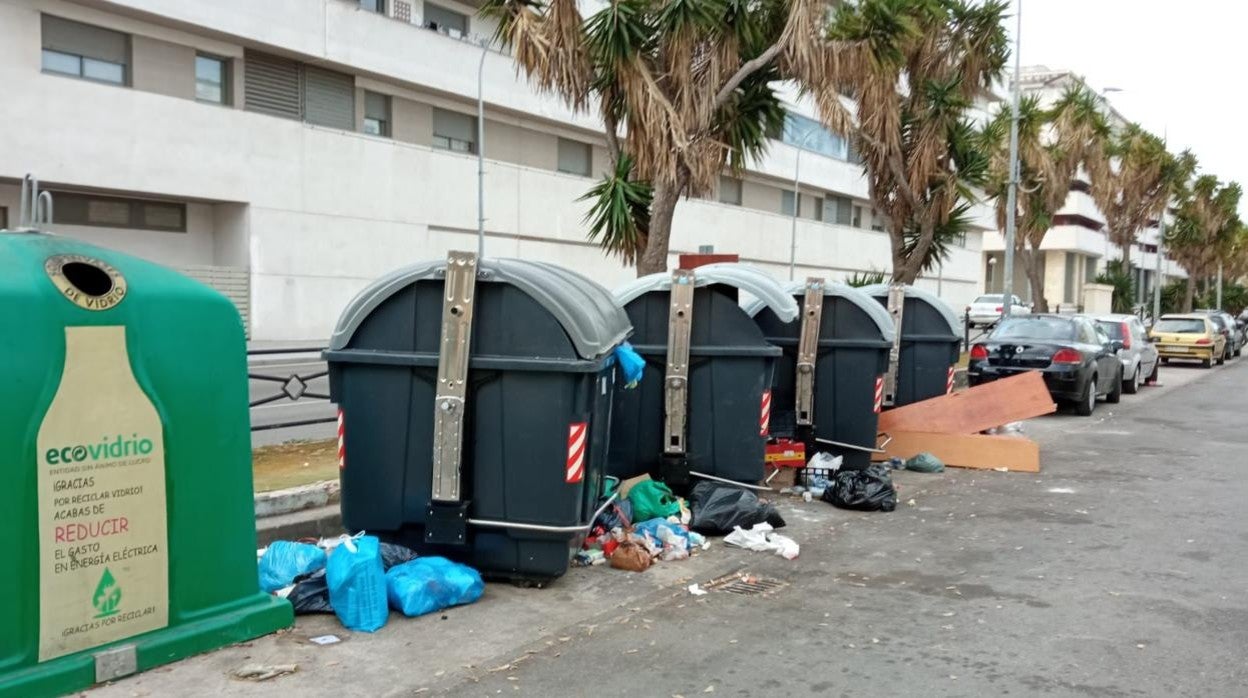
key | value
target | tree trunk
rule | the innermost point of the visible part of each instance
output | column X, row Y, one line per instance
column 907, row 269
column 1031, row 263
column 662, row 207
column 1126, row 257
column 1189, row 294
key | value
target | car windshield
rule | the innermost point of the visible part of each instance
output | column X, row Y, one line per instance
column 1217, row 321
column 1111, row 328
column 995, row 298
column 1035, row 328
column 1180, row 326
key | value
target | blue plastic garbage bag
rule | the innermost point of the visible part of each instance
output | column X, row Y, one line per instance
column 283, row 560
column 631, row 364
column 431, row 584
column 651, row 528
column 357, row 584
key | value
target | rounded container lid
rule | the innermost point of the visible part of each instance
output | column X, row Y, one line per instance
column 759, row 284
column 873, row 309
column 585, row 309
column 955, row 323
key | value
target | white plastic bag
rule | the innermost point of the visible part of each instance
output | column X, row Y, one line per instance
column 763, row 538
column 826, row 461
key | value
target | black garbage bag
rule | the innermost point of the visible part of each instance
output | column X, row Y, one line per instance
column 310, row 594
column 862, row 490
column 618, row 515
column 717, row 508
column 394, row 554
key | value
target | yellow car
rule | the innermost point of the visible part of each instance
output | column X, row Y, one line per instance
column 1190, row 336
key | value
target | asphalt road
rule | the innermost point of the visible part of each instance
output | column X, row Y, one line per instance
column 1119, row 570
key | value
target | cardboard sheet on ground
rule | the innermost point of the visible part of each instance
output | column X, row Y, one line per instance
column 983, row 451
column 975, row 409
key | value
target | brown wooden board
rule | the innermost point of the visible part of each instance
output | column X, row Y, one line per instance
column 975, row 409
column 984, row 451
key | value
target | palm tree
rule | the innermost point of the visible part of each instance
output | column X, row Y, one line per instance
column 1131, row 187
column 683, row 88
column 1207, row 230
column 926, row 61
column 1053, row 144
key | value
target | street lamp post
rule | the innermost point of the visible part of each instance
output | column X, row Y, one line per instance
column 1011, row 203
column 485, row 49
column 797, row 199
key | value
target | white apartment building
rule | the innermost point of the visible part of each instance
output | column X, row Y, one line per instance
column 291, row 151
column 1077, row 247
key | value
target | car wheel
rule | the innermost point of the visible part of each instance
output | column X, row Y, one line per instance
column 1132, row 386
column 1087, row 403
column 1115, row 393
column 1206, row 363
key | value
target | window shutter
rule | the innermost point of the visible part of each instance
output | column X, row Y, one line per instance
column 271, row 85
column 85, row 40
column 328, row 98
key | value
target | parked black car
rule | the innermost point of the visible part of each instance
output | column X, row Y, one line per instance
column 1079, row 362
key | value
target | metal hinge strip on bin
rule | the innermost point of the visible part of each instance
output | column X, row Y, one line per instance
column 896, row 307
column 808, row 350
column 452, row 388
column 676, row 383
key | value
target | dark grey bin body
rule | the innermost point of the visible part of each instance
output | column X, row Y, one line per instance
column 539, row 363
column 931, row 344
column 855, row 335
column 730, row 369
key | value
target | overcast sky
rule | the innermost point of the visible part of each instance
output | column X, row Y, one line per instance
column 1180, row 66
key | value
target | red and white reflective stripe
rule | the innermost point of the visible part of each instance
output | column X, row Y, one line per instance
column 342, row 442
column 879, row 394
column 949, row 382
column 576, row 452
column 764, row 418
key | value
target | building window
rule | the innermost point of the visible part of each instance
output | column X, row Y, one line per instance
column 798, row 130
column 4, row 217
column 959, row 240
column 575, row 157
column 811, row 206
column 377, row 114
column 378, row 6
column 454, row 131
column 729, row 190
column 441, row 19
column 856, row 221
column 839, row 210
column 1089, row 270
column 786, row 202
column 212, row 79
column 877, row 221
column 81, row 50
column 116, row 212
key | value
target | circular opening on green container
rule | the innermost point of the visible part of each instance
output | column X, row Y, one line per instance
column 88, row 278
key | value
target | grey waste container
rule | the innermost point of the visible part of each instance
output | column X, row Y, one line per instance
column 931, row 343
column 729, row 366
column 530, row 400
column 850, row 359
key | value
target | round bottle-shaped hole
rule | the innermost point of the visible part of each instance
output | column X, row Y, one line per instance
column 87, row 278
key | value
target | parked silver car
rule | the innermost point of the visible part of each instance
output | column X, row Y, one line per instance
column 1138, row 355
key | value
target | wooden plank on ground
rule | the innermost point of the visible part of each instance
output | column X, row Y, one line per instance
column 984, row 451
column 975, row 409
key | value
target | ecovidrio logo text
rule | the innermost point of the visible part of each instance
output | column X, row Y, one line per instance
column 108, row 447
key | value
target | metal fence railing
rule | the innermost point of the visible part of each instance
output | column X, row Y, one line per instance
column 294, row 386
